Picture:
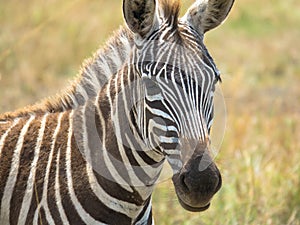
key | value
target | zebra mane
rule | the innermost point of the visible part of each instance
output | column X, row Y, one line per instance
column 94, row 73
column 96, row 70
column 170, row 10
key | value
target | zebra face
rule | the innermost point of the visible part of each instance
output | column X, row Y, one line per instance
column 178, row 78
column 175, row 119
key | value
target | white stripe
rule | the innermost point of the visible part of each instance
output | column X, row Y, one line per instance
column 31, row 179
column 44, row 202
column 155, row 97
column 82, row 92
column 173, row 152
column 73, row 99
column 86, row 218
column 168, row 140
column 11, row 181
column 115, row 57
column 102, row 63
column 166, row 128
column 93, row 80
column 2, row 143
column 126, row 46
column 57, row 193
column 160, row 113
column 174, row 115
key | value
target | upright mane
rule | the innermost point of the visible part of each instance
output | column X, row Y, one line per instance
column 170, row 10
column 96, row 70
column 94, row 73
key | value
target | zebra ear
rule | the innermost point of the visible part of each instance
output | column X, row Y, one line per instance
column 205, row 15
column 139, row 15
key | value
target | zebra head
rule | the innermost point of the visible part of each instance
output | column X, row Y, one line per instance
column 177, row 77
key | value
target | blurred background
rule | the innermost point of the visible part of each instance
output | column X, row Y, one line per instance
column 44, row 42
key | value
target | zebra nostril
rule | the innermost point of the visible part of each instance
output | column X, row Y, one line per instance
column 205, row 182
column 183, row 182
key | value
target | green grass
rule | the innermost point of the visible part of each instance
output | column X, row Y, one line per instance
column 261, row 18
column 42, row 45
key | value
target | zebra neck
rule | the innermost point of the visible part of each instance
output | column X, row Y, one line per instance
column 113, row 152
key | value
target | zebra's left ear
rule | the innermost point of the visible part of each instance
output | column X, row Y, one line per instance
column 205, row 15
column 140, row 15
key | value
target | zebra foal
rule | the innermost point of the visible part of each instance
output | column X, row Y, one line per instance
column 96, row 161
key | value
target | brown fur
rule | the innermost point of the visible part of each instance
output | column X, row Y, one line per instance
column 171, row 10
column 26, row 158
column 7, row 155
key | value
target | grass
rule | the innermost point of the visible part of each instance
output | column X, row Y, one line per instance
column 42, row 45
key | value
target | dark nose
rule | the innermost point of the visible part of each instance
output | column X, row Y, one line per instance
column 202, row 182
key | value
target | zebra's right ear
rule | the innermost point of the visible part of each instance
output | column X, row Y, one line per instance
column 140, row 15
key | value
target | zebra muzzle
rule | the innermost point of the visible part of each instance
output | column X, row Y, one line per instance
column 194, row 186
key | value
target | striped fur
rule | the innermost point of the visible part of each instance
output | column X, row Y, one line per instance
column 51, row 160
column 93, row 155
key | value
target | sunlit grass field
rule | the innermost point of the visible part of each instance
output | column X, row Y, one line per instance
column 43, row 43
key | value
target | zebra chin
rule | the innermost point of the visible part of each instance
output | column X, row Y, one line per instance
column 194, row 187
